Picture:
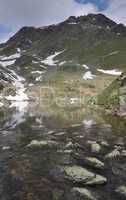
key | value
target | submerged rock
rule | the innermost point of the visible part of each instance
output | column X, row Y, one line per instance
column 97, row 180
column 57, row 194
column 121, row 190
column 60, row 134
column 84, row 193
column 6, row 148
column 104, row 143
column 79, row 174
column 69, row 145
column 41, row 143
column 113, row 154
column 95, row 147
column 123, row 153
column 94, row 162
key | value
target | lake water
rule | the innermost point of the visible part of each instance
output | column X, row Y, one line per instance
column 36, row 144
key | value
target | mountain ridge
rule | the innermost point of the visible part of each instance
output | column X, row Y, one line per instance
column 96, row 19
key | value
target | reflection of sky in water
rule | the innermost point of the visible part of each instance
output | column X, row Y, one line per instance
column 18, row 111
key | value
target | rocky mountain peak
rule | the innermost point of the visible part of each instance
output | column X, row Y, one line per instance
column 25, row 36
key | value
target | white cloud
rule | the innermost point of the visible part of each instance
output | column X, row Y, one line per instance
column 117, row 10
column 17, row 13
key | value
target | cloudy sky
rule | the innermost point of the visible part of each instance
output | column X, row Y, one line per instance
column 17, row 13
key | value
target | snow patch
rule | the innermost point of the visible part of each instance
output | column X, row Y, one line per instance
column 7, row 63
column 19, row 116
column 18, row 50
column 111, row 54
column 35, row 62
column 111, row 72
column 88, row 123
column 88, row 75
column 62, row 63
column 30, row 84
column 14, row 56
column 39, row 78
column 19, row 105
column 1, row 104
column 37, row 72
column 50, row 59
column 108, row 27
column 72, row 23
column 85, row 66
column 74, row 100
column 118, row 34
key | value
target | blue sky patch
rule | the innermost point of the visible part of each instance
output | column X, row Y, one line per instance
column 101, row 4
column 4, row 29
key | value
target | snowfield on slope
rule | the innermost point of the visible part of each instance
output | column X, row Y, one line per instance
column 17, row 81
column 111, row 72
column 11, row 57
column 20, row 100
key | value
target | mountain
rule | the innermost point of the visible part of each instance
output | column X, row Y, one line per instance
column 79, row 43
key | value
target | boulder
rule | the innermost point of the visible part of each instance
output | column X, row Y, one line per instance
column 79, row 174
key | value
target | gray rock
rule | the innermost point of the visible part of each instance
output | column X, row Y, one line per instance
column 41, row 143
column 78, row 174
column 66, row 151
column 104, row 143
column 95, row 147
column 57, row 194
column 113, row 154
column 84, row 193
column 120, row 141
column 50, row 132
column 121, row 190
column 60, row 134
column 95, row 162
column 91, row 142
column 69, row 145
column 97, row 180
column 123, row 153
